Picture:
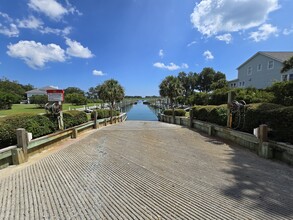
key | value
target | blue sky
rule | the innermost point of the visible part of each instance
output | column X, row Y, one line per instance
column 137, row 42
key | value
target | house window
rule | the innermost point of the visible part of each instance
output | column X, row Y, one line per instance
column 243, row 83
column 271, row 64
column 290, row 77
column 259, row 67
column 284, row 77
column 249, row 70
column 240, row 84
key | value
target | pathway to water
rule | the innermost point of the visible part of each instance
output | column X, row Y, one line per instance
column 148, row 170
column 141, row 112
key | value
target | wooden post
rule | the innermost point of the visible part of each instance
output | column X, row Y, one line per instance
column 191, row 118
column 263, row 133
column 229, row 113
column 20, row 154
column 74, row 133
column 264, row 150
column 95, row 120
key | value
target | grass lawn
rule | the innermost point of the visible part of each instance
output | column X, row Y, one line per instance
column 31, row 108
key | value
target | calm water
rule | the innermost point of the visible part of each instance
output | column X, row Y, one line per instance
column 141, row 112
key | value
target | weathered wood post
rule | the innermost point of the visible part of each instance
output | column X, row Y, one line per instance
column 264, row 150
column 74, row 133
column 191, row 118
column 20, row 154
column 231, row 96
column 95, row 120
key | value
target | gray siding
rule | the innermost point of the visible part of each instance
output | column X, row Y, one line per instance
column 262, row 78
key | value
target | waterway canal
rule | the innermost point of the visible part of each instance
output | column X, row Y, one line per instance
column 141, row 112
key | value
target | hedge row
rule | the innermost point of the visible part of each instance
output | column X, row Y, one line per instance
column 211, row 113
column 104, row 113
column 178, row 112
column 277, row 117
column 38, row 125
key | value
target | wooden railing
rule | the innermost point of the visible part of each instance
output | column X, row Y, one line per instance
column 19, row 153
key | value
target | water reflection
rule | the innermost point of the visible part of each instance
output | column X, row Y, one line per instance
column 141, row 112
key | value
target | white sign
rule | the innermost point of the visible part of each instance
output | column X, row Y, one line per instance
column 55, row 97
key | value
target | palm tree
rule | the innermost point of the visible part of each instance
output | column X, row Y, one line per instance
column 111, row 91
column 172, row 88
column 287, row 65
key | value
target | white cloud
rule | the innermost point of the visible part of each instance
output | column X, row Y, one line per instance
column 208, row 55
column 31, row 22
column 98, row 73
column 63, row 32
column 52, row 8
column 191, row 43
column 225, row 37
column 75, row 49
column 10, row 31
column 213, row 16
column 264, row 32
column 7, row 27
column 171, row 66
column 287, row 31
column 36, row 55
column 184, row 66
column 161, row 53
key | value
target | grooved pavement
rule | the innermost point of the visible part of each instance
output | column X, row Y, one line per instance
column 148, row 170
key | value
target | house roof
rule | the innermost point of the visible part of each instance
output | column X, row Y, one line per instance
column 36, row 91
column 278, row 56
column 48, row 88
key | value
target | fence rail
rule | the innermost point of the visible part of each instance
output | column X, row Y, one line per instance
column 15, row 154
column 261, row 145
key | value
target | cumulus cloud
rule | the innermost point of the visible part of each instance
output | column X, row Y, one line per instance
column 208, row 55
column 171, row 66
column 75, row 49
column 225, row 37
column 52, row 8
column 98, row 73
column 211, row 17
column 161, row 53
column 10, row 31
column 36, row 55
column 184, row 66
column 287, row 31
column 264, row 32
column 7, row 27
column 31, row 22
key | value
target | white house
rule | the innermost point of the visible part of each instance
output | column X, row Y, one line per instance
column 262, row 70
column 41, row 91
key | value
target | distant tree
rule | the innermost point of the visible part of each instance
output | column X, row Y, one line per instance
column 111, row 91
column 172, row 88
column 188, row 82
column 71, row 90
column 93, row 93
column 7, row 99
column 219, row 84
column 13, row 88
column 76, row 99
column 39, row 100
column 287, row 65
column 27, row 87
column 205, row 79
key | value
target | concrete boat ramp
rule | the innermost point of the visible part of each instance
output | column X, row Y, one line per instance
column 147, row 170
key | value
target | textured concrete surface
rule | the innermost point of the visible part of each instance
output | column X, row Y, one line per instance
column 147, row 170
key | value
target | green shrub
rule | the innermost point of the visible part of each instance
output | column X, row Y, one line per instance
column 104, row 113
column 281, row 123
column 283, row 93
column 178, row 112
column 211, row 113
column 257, row 114
column 39, row 125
